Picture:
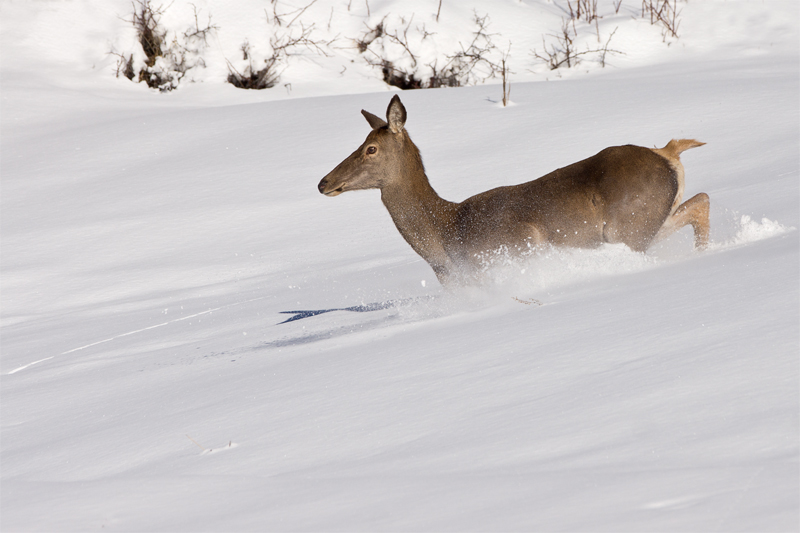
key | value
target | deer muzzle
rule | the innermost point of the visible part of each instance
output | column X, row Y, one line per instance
column 327, row 189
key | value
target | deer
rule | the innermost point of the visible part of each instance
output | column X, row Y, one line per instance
column 623, row 194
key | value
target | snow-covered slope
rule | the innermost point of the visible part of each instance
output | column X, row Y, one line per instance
column 150, row 242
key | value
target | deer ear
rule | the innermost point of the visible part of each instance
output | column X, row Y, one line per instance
column 396, row 115
column 374, row 122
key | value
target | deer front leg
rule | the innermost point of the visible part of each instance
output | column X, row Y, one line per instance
column 693, row 211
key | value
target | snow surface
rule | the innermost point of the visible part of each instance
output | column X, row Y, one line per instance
column 150, row 242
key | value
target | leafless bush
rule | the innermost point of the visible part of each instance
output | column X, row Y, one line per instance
column 564, row 51
column 471, row 64
column 368, row 38
column 284, row 44
column 373, row 44
column 583, row 9
column 197, row 34
column 146, row 21
column 445, row 77
column 398, row 78
column 664, row 13
column 254, row 78
column 605, row 50
column 124, row 65
column 165, row 62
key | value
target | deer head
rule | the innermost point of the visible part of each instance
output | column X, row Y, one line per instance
column 378, row 161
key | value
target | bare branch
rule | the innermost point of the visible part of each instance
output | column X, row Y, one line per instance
column 301, row 11
column 564, row 53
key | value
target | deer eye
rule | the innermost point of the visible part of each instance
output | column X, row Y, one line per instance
column 372, row 149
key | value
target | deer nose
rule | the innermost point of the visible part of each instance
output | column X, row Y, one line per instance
column 322, row 185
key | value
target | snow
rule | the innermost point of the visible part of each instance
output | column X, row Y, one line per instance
column 150, row 241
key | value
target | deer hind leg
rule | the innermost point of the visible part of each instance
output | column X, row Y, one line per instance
column 693, row 211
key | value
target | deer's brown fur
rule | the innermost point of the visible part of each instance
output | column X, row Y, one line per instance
column 626, row 194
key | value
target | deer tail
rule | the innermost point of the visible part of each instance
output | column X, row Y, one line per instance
column 675, row 147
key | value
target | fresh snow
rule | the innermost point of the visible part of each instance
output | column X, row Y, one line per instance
column 150, row 242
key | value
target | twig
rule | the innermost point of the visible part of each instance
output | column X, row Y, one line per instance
column 506, row 78
column 300, row 13
column 198, row 445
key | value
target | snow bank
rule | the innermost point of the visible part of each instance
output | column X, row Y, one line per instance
column 344, row 46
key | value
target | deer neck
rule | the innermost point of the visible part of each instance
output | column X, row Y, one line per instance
column 424, row 219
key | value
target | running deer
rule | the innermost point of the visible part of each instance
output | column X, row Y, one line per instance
column 624, row 194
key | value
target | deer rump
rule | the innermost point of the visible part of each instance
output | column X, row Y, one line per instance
column 624, row 194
